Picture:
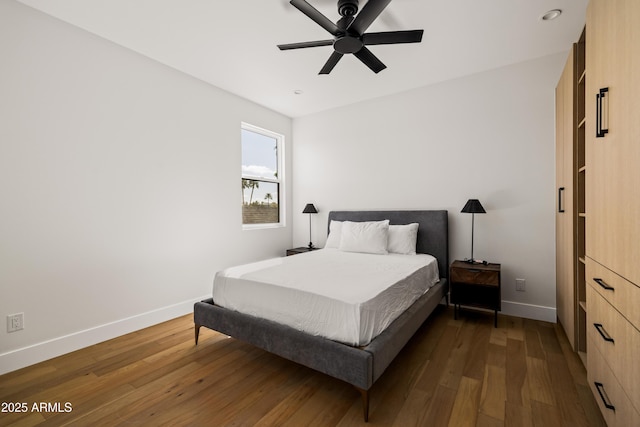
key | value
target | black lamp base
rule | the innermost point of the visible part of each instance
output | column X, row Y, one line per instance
column 310, row 246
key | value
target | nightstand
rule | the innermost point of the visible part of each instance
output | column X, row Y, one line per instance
column 475, row 285
column 300, row 250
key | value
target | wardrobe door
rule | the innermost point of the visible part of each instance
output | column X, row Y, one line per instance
column 613, row 135
column 565, row 298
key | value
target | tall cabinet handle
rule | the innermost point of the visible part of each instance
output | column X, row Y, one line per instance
column 600, row 131
column 560, row 207
column 603, row 396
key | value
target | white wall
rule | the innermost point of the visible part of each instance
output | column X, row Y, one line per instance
column 120, row 187
column 488, row 136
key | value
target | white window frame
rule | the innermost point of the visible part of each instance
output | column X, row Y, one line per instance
column 280, row 180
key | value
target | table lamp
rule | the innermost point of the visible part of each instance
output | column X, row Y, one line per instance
column 310, row 209
column 473, row 207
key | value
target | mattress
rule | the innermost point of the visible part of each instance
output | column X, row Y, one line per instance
column 343, row 296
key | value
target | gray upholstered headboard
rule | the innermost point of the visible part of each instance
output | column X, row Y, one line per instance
column 433, row 233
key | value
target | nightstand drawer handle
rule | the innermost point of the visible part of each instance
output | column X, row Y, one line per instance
column 603, row 284
column 603, row 396
column 473, row 270
column 603, row 333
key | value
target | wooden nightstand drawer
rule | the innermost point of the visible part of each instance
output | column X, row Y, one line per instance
column 475, row 276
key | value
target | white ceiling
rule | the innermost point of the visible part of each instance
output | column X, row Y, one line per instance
column 232, row 44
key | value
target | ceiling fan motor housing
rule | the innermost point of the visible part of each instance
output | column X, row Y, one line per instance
column 347, row 44
column 347, row 7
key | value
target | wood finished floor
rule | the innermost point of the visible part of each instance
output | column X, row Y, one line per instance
column 452, row 373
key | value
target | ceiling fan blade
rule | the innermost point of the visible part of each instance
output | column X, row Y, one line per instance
column 367, row 15
column 393, row 37
column 315, row 15
column 331, row 62
column 370, row 60
column 302, row 45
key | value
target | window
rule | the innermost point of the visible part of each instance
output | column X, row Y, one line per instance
column 262, row 177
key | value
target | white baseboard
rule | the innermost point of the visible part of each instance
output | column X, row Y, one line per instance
column 26, row 356
column 529, row 311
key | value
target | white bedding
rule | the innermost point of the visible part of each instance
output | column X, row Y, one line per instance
column 344, row 296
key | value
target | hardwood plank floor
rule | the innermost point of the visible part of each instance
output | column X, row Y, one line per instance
column 459, row 372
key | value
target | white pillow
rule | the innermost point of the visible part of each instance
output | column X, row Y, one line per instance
column 333, row 239
column 368, row 237
column 403, row 239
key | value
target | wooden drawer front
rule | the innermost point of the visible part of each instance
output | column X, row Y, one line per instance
column 605, row 336
column 623, row 295
column 610, row 391
column 618, row 342
column 475, row 276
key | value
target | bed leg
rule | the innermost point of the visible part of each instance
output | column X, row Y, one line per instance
column 365, row 403
column 197, row 331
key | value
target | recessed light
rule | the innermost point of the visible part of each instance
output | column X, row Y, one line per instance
column 551, row 15
column 298, row 92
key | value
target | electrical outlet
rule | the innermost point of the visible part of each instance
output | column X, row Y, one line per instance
column 15, row 322
column 520, row 283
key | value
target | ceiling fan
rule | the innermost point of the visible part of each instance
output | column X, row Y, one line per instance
column 349, row 33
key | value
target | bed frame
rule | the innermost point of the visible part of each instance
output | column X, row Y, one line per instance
column 359, row 366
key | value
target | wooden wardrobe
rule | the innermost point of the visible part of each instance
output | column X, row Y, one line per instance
column 613, row 208
column 610, row 182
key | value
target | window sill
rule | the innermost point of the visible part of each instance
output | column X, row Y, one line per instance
column 262, row 226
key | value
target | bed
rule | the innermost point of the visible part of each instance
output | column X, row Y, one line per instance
column 358, row 365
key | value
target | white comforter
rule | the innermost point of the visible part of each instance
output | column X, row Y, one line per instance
column 344, row 296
